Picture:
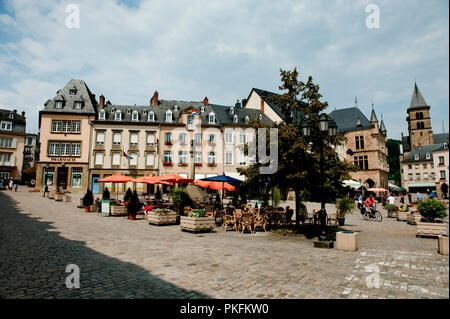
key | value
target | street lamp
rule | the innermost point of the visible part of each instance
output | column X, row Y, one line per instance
column 328, row 127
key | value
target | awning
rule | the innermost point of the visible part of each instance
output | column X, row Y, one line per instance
column 421, row 185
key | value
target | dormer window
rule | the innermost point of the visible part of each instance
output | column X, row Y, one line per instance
column 11, row 115
column 118, row 115
column 73, row 91
column 235, row 118
column 59, row 104
column 231, row 110
column 128, row 111
column 135, row 116
column 169, row 116
column 428, row 156
column 78, row 105
column 212, row 118
column 112, row 110
column 175, row 108
column 151, row 117
column 101, row 115
column 246, row 119
column 202, row 109
column 416, row 157
column 144, row 112
column 260, row 116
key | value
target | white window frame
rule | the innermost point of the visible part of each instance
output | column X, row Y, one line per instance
column 78, row 105
column 167, row 157
column 211, row 157
column 76, row 126
column 134, row 138
column 168, row 117
column 135, row 116
column 100, row 139
column 235, row 118
column 66, row 127
column 6, row 126
column 182, row 157
column 53, row 149
column 65, row 149
column 118, row 115
column 133, row 157
column 99, row 158
column 75, row 149
column 59, row 104
column 115, row 159
column 149, row 162
column 229, row 158
column 101, row 115
column 211, row 118
column 228, row 137
column 151, row 116
column 150, row 139
column 117, row 141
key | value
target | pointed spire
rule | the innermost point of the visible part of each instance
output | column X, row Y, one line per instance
column 373, row 116
column 382, row 127
column 417, row 99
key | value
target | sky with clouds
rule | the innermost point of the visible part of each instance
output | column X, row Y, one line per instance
column 221, row 49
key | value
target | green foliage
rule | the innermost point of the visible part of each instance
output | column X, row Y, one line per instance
column 196, row 213
column 431, row 209
column 88, row 198
column 390, row 207
column 235, row 198
column 345, row 205
column 276, row 196
column 393, row 160
column 127, row 195
column 133, row 204
column 180, row 197
column 106, row 194
column 158, row 194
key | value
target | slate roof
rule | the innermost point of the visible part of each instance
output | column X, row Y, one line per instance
column 441, row 138
column 347, row 119
column 82, row 94
column 422, row 151
column 417, row 100
column 222, row 113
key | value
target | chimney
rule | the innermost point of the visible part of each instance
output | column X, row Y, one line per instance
column 108, row 102
column 23, row 114
column 205, row 101
column 262, row 105
column 15, row 111
column 243, row 102
column 154, row 99
column 102, row 101
column 238, row 104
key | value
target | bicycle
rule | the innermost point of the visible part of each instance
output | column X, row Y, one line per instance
column 372, row 212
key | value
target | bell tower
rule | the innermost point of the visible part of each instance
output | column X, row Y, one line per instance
column 419, row 120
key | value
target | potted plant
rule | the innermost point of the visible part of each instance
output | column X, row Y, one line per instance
column 106, row 194
column 432, row 212
column 391, row 209
column 344, row 206
column 197, row 221
column 127, row 195
column 88, row 200
column 181, row 198
column 133, row 206
column 162, row 216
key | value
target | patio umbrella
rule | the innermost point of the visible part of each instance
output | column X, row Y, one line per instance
column 222, row 178
column 377, row 190
column 214, row 185
column 174, row 178
column 117, row 178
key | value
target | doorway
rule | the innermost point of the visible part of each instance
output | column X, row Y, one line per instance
column 63, row 173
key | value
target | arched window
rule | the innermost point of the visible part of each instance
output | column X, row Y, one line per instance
column 246, row 119
column 101, row 115
column 235, row 118
column 202, row 109
column 231, row 110
column 211, row 118
column 118, row 115
column 418, row 125
column 151, row 116
column 135, row 116
column 169, row 116
column 175, row 108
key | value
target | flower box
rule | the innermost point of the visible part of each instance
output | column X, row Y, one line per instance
column 198, row 164
column 161, row 217
column 182, row 164
column 413, row 218
column 392, row 213
column 402, row 216
column 431, row 229
column 197, row 224
column 212, row 164
column 168, row 143
column 212, row 144
column 167, row 164
column 118, row 210
column 59, row 197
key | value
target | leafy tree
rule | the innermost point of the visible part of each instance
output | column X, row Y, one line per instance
column 243, row 199
column 345, row 205
column 431, row 209
column 133, row 204
column 88, row 198
column 181, row 198
column 127, row 195
column 299, row 156
column 393, row 160
column 276, row 196
column 106, row 194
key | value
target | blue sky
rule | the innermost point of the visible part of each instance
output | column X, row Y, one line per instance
column 221, row 49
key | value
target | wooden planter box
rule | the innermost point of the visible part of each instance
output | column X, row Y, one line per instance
column 80, row 203
column 347, row 241
column 413, row 219
column 197, row 224
column 119, row 210
column 431, row 229
column 443, row 245
column 402, row 216
column 161, row 218
column 392, row 213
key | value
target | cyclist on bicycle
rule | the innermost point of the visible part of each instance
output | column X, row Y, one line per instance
column 369, row 204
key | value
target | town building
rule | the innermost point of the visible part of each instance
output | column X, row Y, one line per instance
column 12, row 140
column 64, row 135
column 441, row 170
column 417, row 160
column 30, row 157
column 366, row 140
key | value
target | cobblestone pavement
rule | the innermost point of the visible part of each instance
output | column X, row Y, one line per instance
column 119, row 258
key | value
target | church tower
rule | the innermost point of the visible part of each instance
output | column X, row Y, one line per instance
column 419, row 120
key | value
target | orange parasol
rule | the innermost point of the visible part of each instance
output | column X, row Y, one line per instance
column 215, row 185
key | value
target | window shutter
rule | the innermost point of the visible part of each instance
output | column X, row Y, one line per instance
column 100, row 137
column 14, row 143
column 150, row 159
column 13, row 159
column 116, row 159
column 134, row 138
column 116, row 137
column 150, row 139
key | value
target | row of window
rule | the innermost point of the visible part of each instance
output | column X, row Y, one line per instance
column 431, row 176
column 132, row 158
column 417, row 166
column 66, row 126
column 78, row 105
column 64, row 148
column 8, row 142
column 362, row 162
column 5, row 158
column 76, row 177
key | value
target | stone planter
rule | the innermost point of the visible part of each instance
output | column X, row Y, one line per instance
column 94, row 208
column 51, row 195
column 197, row 224
column 413, row 219
column 402, row 216
column 162, row 218
column 431, row 229
column 66, row 198
column 392, row 214
column 443, row 245
column 80, row 203
column 346, row 240
column 59, row 197
column 119, row 210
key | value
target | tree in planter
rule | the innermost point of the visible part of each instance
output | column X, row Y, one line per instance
column 235, row 198
column 276, row 196
column 88, row 199
column 127, row 195
column 133, row 205
column 158, row 193
column 106, row 194
column 390, row 208
column 344, row 206
column 431, row 210
column 181, row 198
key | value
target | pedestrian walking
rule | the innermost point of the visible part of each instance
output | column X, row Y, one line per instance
column 45, row 190
column 409, row 198
column 402, row 199
column 16, row 185
column 391, row 200
column 11, row 184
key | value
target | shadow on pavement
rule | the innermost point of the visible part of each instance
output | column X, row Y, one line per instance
column 34, row 259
